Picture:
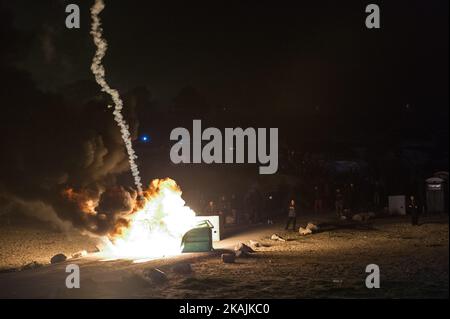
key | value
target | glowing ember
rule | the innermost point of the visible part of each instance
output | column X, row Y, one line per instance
column 155, row 229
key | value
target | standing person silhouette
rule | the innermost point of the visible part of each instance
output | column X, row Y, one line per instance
column 414, row 211
column 292, row 216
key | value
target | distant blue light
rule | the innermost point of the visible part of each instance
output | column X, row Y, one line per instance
column 145, row 138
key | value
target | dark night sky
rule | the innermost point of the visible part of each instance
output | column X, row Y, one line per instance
column 279, row 65
column 252, row 53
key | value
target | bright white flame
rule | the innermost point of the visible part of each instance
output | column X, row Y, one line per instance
column 157, row 229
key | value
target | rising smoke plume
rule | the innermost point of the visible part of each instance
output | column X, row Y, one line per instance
column 61, row 154
column 99, row 72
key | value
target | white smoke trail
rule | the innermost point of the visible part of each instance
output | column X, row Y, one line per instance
column 99, row 71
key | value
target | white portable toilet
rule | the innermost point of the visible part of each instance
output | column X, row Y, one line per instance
column 397, row 205
column 435, row 190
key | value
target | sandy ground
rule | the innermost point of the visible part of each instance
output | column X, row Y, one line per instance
column 413, row 263
column 21, row 245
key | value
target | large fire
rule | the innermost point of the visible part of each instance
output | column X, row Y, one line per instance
column 153, row 228
column 153, row 225
column 156, row 228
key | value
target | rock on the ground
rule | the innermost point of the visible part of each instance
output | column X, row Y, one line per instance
column 228, row 258
column 304, row 231
column 155, row 275
column 244, row 248
column 312, row 227
column 80, row 254
column 59, row 258
column 357, row 218
column 182, row 268
column 277, row 237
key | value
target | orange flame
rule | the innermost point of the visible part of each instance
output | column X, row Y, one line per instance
column 155, row 228
column 83, row 199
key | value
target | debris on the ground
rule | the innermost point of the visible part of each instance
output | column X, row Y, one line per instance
column 277, row 237
column 313, row 227
column 31, row 265
column 304, row 231
column 244, row 248
column 59, row 258
column 310, row 229
column 228, row 258
column 79, row 254
column 254, row 243
column 155, row 275
column 182, row 268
